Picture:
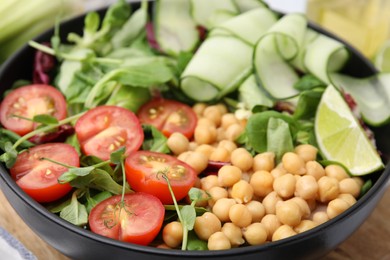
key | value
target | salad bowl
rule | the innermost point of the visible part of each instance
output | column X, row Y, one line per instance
column 78, row 243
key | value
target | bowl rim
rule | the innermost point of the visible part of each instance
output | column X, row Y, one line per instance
column 5, row 179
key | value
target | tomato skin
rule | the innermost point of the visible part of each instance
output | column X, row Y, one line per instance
column 143, row 173
column 140, row 228
column 28, row 101
column 169, row 116
column 38, row 178
column 104, row 129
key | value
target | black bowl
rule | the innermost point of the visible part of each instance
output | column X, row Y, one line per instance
column 78, row 243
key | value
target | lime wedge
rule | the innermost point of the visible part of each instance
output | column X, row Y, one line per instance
column 341, row 138
column 382, row 58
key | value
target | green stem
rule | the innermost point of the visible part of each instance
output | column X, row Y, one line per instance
column 44, row 129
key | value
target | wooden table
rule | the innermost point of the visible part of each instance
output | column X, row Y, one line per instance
column 370, row 241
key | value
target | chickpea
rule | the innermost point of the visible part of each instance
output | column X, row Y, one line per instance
column 255, row 234
column 350, row 186
column 213, row 113
column 277, row 172
column 216, row 193
column 222, row 107
column 315, row 169
column 206, row 225
column 228, row 119
column 205, row 134
column 163, row 246
column 306, row 187
column 348, row 198
column 264, row 161
column 282, row 232
column 241, row 158
column 336, row 207
column 336, row 171
column 228, row 175
column 196, row 160
column 203, row 202
column 233, row 233
column 220, row 154
column 218, row 241
column 257, row 210
column 178, row 143
column 269, row 202
column 289, row 213
column 305, row 225
column 173, row 234
column 303, row 206
column 240, row 215
column 204, row 121
column 228, row 145
column 307, row 152
column 262, row 183
column 199, row 108
column 222, row 208
column 285, row 185
column 205, row 149
column 293, row 163
column 192, row 146
column 242, row 192
column 359, row 181
column 312, row 204
column 208, row 182
column 234, row 131
column 220, row 134
column 271, row 223
column 328, row 189
column 320, row 216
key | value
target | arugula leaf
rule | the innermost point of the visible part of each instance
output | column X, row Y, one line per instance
column 45, row 119
column 73, row 173
column 117, row 156
column 194, row 243
column 75, row 212
column 93, row 201
column 9, row 157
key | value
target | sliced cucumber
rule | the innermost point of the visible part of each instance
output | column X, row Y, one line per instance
column 324, row 55
column 281, row 43
column 174, row 27
column 251, row 95
column 372, row 95
column 204, row 10
column 256, row 22
column 220, row 64
column 246, row 5
column 298, row 61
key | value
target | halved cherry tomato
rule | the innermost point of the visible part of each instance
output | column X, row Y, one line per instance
column 144, row 173
column 29, row 101
column 168, row 116
column 138, row 220
column 104, row 129
column 39, row 178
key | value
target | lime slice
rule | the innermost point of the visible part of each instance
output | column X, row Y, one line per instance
column 382, row 58
column 341, row 138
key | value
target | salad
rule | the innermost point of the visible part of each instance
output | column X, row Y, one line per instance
column 215, row 125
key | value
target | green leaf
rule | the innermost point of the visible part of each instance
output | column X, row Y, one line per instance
column 257, row 129
column 93, row 160
column 93, row 201
column 189, row 215
column 75, row 212
column 279, row 138
column 45, row 119
column 129, row 97
column 195, row 194
column 91, row 23
column 100, row 180
column 10, row 155
column 117, row 156
column 154, row 140
column 73, row 173
column 194, row 243
column 308, row 82
column 307, row 104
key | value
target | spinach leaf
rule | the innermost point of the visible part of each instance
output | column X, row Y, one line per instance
column 307, row 104
column 279, row 138
column 129, row 97
column 308, row 82
column 194, row 243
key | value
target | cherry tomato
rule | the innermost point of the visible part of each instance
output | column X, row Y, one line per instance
column 104, row 129
column 144, row 173
column 29, row 101
column 138, row 220
column 39, row 178
column 169, row 116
